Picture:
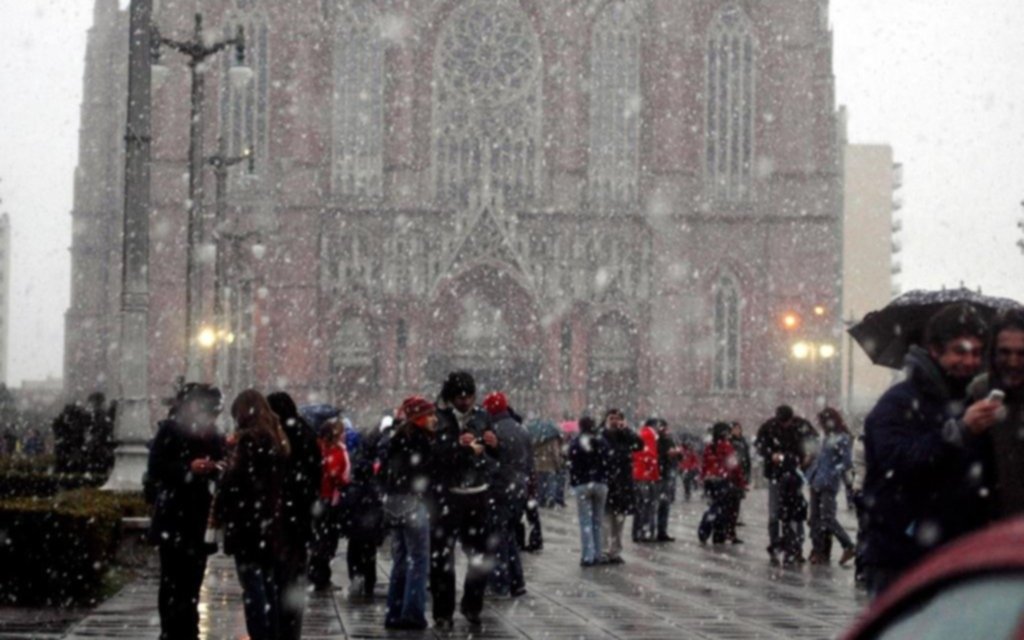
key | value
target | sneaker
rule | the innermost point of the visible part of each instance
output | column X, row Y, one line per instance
column 666, row 538
column 615, row 560
column 588, row 563
column 848, row 554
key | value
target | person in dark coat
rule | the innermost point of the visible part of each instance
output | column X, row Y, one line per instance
column 250, row 509
column 742, row 446
column 925, row 464
column 588, row 477
column 668, row 466
column 301, row 489
column 461, row 501
column 69, row 429
column 185, row 458
column 98, row 447
column 622, row 444
column 408, row 469
column 363, row 509
column 779, row 442
column 1006, row 374
column 508, row 443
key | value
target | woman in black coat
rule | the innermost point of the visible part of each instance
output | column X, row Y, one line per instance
column 249, row 507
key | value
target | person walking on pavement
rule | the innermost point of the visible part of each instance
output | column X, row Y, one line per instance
column 689, row 467
column 508, row 444
column 185, row 459
column 249, row 507
column 362, row 506
column 622, row 444
column 824, row 477
column 723, row 482
column 461, row 501
column 588, row 476
column 742, row 447
column 647, row 475
column 1006, row 374
column 302, row 478
column 668, row 464
column 926, row 477
column 779, row 444
column 328, row 515
column 408, row 470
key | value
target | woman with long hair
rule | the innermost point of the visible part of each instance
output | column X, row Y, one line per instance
column 249, row 508
column 824, row 476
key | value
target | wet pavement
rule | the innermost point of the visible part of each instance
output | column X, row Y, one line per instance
column 666, row 590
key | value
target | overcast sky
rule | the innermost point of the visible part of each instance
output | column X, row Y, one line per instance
column 942, row 81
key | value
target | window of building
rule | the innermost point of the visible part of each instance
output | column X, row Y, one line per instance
column 731, row 56
column 358, row 98
column 614, row 107
column 353, row 346
column 727, row 335
column 487, row 111
column 244, row 111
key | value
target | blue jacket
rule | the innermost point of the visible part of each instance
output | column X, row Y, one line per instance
column 835, row 457
column 923, row 482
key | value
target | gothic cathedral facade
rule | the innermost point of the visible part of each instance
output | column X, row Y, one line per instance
column 587, row 203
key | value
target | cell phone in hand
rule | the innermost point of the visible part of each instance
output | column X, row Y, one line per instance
column 996, row 394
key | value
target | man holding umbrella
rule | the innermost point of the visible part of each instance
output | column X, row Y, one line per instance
column 923, row 449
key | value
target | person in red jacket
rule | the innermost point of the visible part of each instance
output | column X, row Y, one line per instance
column 725, row 483
column 647, row 476
column 689, row 467
column 327, row 527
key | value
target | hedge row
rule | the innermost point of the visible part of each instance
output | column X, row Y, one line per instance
column 56, row 550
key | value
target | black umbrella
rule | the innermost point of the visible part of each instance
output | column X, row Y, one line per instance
column 886, row 334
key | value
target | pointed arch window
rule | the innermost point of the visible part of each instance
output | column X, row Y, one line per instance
column 487, row 103
column 614, row 107
column 358, row 101
column 245, row 111
column 353, row 346
column 727, row 335
column 729, row 131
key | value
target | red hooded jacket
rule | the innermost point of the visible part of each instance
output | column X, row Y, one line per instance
column 645, row 462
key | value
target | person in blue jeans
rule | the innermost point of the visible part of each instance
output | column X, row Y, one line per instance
column 407, row 472
column 588, row 476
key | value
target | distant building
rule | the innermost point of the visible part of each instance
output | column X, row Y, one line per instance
column 586, row 203
column 871, row 262
column 5, row 293
column 40, row 395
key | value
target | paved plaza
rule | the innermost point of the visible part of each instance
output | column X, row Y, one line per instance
column 668, row 590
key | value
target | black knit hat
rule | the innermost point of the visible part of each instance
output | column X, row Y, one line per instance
column 458, row 384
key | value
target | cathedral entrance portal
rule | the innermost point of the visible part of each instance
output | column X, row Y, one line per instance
column 493, row 333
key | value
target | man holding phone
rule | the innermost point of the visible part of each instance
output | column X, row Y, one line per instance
column 1003, row 386
column 925, row 482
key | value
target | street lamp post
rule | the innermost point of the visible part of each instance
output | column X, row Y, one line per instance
column 197, row 53
column 224, row 237
column 132, row 425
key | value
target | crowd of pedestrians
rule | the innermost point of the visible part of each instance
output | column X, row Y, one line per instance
column 942, row 451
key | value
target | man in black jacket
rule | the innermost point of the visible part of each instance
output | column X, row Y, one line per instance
column 184, row 460
column 302, row 477
column 779, row 443
column 924, row 449
column 623, row 442
column 461, row 500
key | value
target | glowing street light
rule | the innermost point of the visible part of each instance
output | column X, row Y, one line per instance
column 790, row 321
column 826, row 351
column 802, row 350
